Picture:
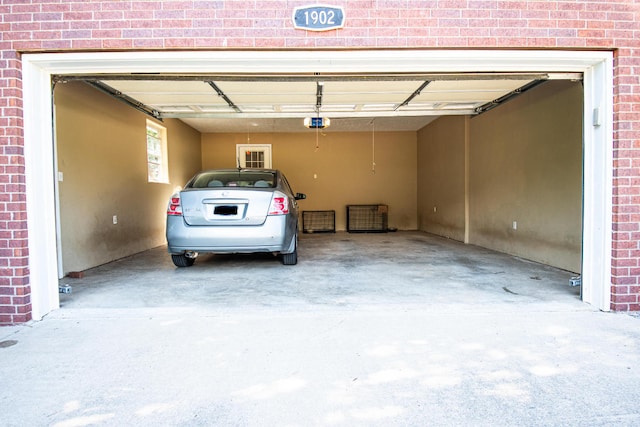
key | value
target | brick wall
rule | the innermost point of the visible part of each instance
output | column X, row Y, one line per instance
column 15, row 304
column 63, row 25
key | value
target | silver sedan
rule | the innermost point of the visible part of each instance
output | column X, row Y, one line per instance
column 233, row 211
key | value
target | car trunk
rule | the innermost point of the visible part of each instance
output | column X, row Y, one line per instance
column 208, row 207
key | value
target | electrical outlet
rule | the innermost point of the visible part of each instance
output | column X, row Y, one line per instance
column 515, row 225
column 435, row 209
column 115, row 219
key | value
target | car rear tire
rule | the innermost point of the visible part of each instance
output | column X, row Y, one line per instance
column 182, row 260
column 292, row 258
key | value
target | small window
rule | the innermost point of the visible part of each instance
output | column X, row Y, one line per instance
column 157, row 169
column 257, row 156
column 254, row 159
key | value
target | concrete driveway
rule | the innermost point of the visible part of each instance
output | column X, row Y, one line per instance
column 368, row 329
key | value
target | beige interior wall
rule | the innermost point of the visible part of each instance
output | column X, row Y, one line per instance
column 526, row 166
column 336, row 169
column 101, row 149
column 441, row 177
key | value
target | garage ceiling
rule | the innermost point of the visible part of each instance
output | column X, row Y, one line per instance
column 250, row 103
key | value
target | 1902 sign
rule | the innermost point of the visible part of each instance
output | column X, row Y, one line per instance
column 318, row 18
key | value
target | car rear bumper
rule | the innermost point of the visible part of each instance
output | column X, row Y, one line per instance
column 274, row 235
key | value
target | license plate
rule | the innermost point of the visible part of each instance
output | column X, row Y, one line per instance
column 225, row 210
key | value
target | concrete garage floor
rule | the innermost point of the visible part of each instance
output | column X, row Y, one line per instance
column 342, row 269
column 368, row 329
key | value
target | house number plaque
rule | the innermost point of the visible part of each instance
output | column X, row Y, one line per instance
column 318, row 18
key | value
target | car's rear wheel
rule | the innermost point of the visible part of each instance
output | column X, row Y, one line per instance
column 182, row 260
column 292, row 258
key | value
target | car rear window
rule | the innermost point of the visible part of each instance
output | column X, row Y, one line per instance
column 234, row 179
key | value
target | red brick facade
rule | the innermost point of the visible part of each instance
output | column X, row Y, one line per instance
column 66, row 25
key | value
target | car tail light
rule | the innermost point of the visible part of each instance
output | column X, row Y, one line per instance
column 279, row 204
column 174, row 206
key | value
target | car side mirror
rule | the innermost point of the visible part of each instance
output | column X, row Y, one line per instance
column 301, row 196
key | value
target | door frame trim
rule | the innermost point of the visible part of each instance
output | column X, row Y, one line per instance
column 39, row 142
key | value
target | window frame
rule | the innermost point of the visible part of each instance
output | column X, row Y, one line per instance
column 163, row 160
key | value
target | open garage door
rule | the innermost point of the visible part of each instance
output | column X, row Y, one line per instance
column 223, row 103
column 417, row 84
